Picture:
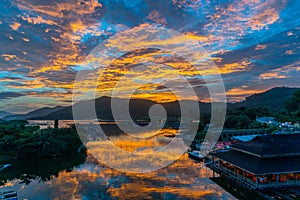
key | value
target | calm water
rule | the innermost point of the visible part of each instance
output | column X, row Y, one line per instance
column 85, row 178
column 184, row 179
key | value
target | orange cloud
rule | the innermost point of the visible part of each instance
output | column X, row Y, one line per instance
column 15, row 26
column 235, row 67
column 80, row 7
column 238, row 94
column 72, row 20
column 197, row 37
column 38, row 20
column 263, row 19
column 282, row 72
column 58, row 9
column 30, row 84
column 8, row 57
column 55, row 39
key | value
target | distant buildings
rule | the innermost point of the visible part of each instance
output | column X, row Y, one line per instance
column 267, row 120
column 285, row 126
column 264, row 162
column 288, row 126
column 230, row 134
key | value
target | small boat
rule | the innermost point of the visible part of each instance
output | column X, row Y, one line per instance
column 9, row 195
column 4, row 166
column 195, row 155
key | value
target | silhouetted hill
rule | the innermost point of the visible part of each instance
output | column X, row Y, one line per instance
column 137, row 107
column 34, row 114
column 273, row 99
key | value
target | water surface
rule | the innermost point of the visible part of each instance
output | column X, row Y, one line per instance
column 80, row 177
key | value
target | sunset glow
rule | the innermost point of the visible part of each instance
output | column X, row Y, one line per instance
column 253, row 43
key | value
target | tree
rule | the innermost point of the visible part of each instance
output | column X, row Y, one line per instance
column 56, row 123
column 293, row 104
column 237, row 121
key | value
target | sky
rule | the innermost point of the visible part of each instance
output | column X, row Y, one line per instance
column 253, row 43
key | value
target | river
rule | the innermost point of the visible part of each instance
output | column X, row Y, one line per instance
column 86, row 178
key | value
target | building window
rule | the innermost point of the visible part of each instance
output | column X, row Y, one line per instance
column 283, row 178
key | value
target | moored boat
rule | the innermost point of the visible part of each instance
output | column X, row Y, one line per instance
column 196, row 155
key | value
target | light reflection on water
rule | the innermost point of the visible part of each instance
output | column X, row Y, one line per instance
column 184, row 179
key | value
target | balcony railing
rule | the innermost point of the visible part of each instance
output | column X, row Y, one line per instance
column 231, row 174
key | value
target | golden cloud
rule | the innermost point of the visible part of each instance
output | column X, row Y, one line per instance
column 238, row 94
column 281, row 72
column 38, row 20
column 8, row 57
column 15, row 26
column 235, row 67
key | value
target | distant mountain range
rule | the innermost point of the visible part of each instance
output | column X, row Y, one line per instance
column 36, row 113
column 4, row 114
column 138, row 107
column 273, row 99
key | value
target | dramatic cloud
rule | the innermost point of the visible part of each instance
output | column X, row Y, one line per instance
column 43, row 44
column 9, row 95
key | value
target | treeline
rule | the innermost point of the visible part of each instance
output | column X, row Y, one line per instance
column 292, row 106
column 240, row 118
column 20, row 142
column 245, row 118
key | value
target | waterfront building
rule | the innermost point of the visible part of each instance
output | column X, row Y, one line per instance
column 264, row 162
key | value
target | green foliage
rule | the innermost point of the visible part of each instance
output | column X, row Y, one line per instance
column 237, row 121
column 272, row 129
column 293, row 104
column 18, row 142
column 245, row 118
column 285, row 117
column 252, row 113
